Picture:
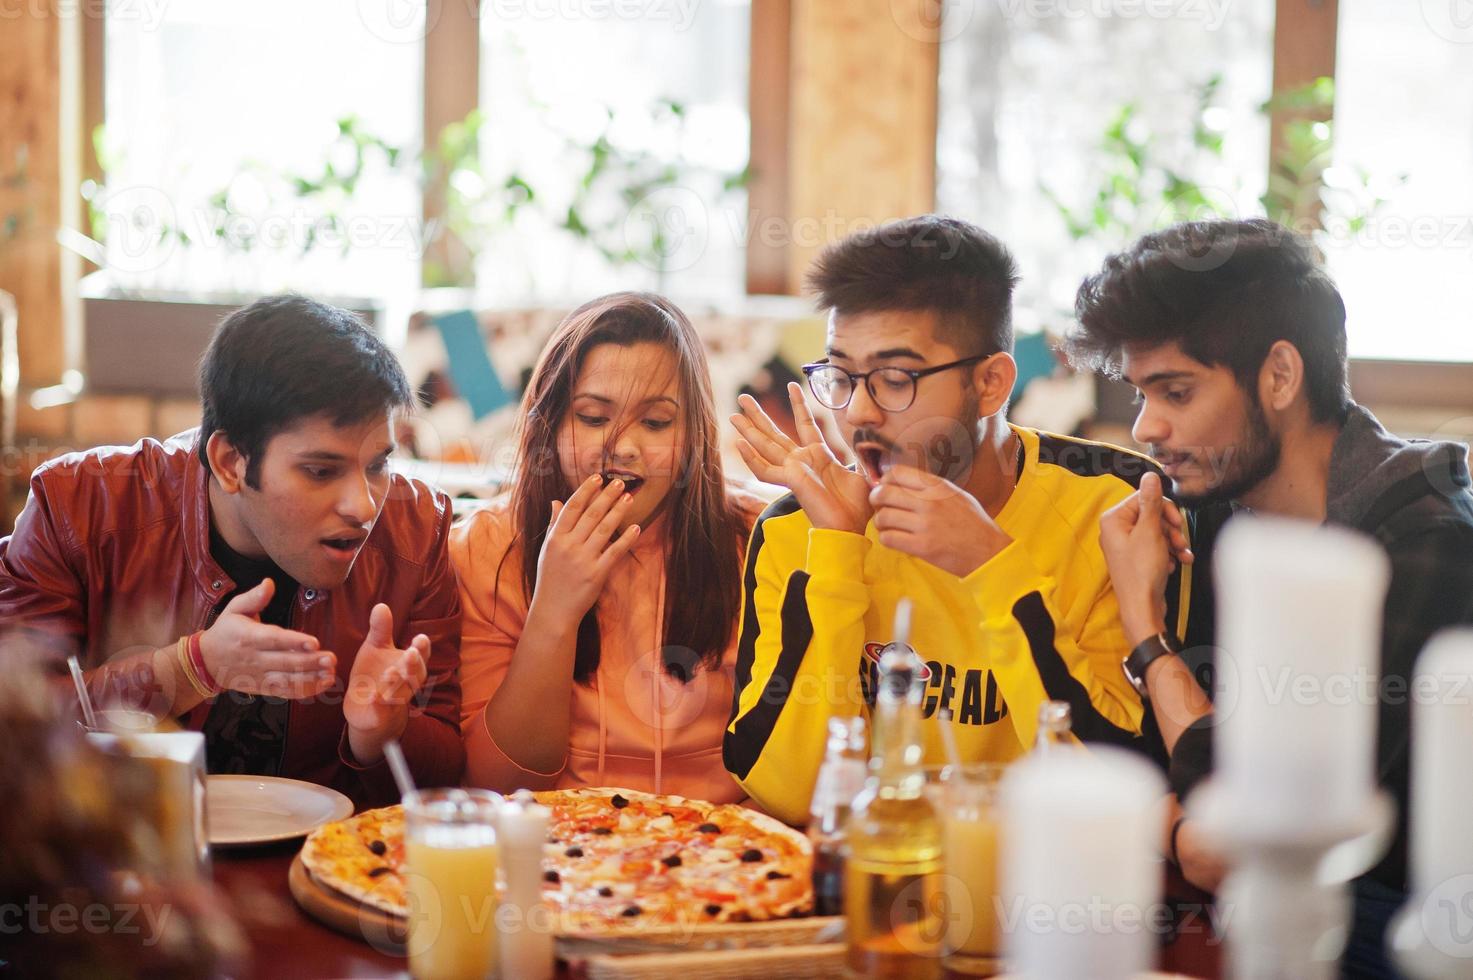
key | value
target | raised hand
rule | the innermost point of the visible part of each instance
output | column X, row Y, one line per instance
column 244, row 654
column 935, row 520
column 383, row 681
column 832, row 496
column 581, row 548
column 1143, row 538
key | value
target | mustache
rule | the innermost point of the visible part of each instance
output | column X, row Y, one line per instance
column 870, row 435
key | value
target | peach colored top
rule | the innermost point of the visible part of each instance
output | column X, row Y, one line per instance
column 634, row 726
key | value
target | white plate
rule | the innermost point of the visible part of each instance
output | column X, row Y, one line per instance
column 262, row 809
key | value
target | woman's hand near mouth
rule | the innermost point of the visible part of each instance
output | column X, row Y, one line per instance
column 581, row 549
column 833, row 497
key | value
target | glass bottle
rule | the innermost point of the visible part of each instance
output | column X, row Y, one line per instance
column 840, row 779
column 1054, row 723
column 893, row 883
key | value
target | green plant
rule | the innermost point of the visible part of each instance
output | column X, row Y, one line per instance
column 323, row 196
column 1144, row 187
column 481, row 205
column 477, row 204
column 98, row 196
column 1298, row 195
column 612, row 190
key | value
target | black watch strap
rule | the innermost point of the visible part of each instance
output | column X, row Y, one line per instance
column 1146, row 653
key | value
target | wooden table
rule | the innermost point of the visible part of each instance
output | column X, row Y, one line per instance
column 286, row 944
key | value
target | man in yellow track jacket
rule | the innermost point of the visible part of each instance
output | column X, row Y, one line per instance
column 991, row 529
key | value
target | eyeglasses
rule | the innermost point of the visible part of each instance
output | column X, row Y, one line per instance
column 892, row 388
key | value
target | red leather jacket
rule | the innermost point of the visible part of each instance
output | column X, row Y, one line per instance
column 111, row 558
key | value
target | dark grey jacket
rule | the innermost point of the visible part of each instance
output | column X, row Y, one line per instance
column 1413, row 497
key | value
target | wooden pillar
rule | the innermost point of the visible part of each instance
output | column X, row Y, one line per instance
column 40, row 130
column 452, row 79
column 863, row 127
column 94, row 93
column 843, row 104
column 1305, row 34
column 769, row 102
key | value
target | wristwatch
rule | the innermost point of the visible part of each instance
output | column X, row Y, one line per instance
column 1146, row 654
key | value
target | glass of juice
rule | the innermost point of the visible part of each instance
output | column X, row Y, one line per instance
column 450, row 854
column 966, row 799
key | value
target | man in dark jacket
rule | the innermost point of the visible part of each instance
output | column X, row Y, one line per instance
column 264, row 579
column 1235, row 340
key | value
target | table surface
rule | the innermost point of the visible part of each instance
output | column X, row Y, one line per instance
column 287, row 944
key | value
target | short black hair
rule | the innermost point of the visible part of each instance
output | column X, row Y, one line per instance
column 926, row 263
column 284, row 358
column 1225, row 291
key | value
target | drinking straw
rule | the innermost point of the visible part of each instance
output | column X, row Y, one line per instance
column 902, row 621
column 948, row 741
column 88, row 715
column 399, row 767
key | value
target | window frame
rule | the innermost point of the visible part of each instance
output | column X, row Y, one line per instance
column 1305, row 36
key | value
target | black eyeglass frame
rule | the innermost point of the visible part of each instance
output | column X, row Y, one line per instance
column 915, row 375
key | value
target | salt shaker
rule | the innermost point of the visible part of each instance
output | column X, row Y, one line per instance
column 526, row 921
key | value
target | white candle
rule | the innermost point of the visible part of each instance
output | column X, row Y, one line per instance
column 1298, row 668
column 1081, row 881
column 1442, row 785
column 525, row 921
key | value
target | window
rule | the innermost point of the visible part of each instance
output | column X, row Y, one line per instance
column 204, row 97
column 655, row 105
column 1404, row 108
column 1044, row 105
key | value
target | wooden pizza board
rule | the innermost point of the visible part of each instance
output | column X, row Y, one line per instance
column 387, row 932
column 341, row 913
column 1143, row 976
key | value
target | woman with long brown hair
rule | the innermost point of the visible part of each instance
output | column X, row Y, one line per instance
column 601, row 595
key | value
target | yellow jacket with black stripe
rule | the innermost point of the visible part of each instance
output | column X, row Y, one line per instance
column 1037, row 622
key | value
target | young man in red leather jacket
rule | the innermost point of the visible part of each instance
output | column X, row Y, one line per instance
column 265, row 578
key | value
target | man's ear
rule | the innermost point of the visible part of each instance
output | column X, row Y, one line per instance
column 1281, row 378
column 993, row 380
column 226, row 462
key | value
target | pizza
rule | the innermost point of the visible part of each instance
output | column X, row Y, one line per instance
column 614, row 859
column 362, row 857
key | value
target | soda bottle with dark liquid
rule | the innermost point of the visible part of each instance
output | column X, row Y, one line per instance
column 840, row 779
column 893, row 886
